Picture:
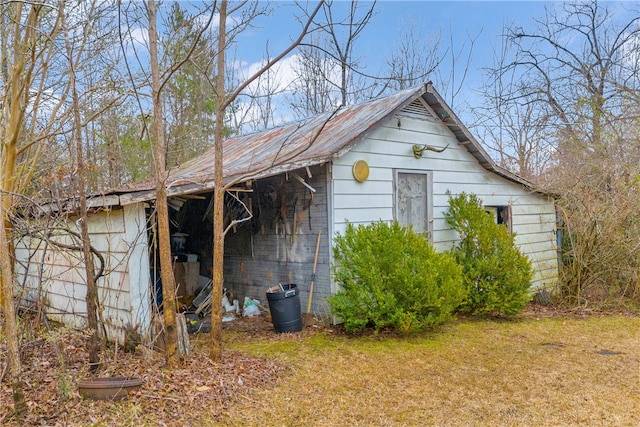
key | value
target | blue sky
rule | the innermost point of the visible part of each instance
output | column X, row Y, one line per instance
column 462, row 20
column 484, row 19
column 455, row 22
column 473, row 17
column 465, row 19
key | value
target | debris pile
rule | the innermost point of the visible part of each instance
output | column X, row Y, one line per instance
column 198, row 314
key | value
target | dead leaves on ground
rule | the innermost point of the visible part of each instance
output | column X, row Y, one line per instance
column 197, row 392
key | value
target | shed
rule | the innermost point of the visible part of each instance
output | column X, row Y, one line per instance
column 395, row 157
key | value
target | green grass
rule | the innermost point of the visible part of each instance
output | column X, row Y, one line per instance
column 526, row 372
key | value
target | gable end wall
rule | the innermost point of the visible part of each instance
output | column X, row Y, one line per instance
column 389, row 148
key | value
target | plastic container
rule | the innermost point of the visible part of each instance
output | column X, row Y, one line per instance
column 284, row 305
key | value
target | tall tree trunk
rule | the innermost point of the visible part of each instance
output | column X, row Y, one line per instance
column 223, row 101
column 218, row 193
column 15, row 103
column 93, row 345
column 10, row 324
column 162, row 208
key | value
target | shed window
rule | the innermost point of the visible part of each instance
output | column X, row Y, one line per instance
column 501, row 215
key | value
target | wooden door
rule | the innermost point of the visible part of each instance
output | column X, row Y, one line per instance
column 413, row 201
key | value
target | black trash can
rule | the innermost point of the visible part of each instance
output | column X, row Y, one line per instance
column 284, row 305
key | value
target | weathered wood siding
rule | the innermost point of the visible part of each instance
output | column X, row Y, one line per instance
column 388, row 149
column 58, row 277
column 279, row 248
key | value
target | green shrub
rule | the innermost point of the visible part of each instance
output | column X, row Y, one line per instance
column 497, row 275
column 392, row 277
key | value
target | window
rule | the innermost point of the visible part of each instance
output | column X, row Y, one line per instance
column 501, row 215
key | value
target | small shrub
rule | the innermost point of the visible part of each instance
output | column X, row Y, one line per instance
column 497, row 275
column 392, row 277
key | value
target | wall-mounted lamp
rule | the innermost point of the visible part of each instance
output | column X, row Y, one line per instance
column 418, row 150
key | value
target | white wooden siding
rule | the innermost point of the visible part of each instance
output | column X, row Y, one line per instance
column 455, row 170
column 58, row 275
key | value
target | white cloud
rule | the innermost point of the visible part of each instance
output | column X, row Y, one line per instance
column 280, row 75
column 139, row 37
column 281, row 82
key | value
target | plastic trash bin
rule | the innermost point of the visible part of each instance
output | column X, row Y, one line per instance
column 284, row 305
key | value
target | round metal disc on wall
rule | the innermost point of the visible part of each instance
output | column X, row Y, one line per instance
column 360, row 170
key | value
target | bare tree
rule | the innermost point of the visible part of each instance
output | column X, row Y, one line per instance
column 36, row 121
column 24, row 66
column 316, row 88
column 342, row 35
column 259, row 112
column 413, row 59
column 92, row 288
column 577, row 66
column 517, row 134
column 578, row 72
column 166, row 60
column 453, row 77
column 162, row 207
column 224, row 100
column 328, row 74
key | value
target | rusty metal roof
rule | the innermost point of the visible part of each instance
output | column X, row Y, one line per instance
column 308, row 142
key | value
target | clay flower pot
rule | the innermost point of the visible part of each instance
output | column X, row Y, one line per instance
column 108, row 388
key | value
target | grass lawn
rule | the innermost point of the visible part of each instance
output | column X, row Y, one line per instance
column 565, row 370
column 551, row 371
